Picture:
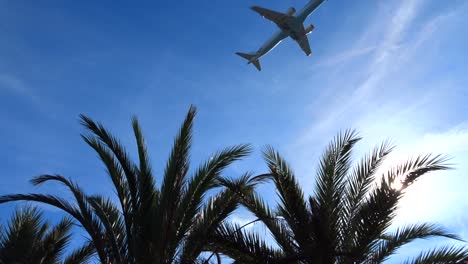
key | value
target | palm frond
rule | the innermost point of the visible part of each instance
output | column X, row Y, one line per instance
column 145, row 166
column 243, row 246
column 333, row 168
column 86, row 216
column 148, row 193
column 55, row 241
column 22, row 236
column 46, row 199
column 446, row 254
column 92, row 227
column 293, row 206
column 174, row 175
column 114, row 227
column 409, row 171
column 373, row 217
column 278, row 229
column 82, row 255
column 330, row 189
column 204, row 179
column 178, row 162
column 216, row 210
column 120, row 184
column 31, row 238
column 128, row 167
column 358, row 184
column 404, row 235
column 151, row 224
column 77, row 192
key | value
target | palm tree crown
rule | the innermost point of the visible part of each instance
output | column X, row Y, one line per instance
column 347, row 219
column 28, row 239
column 169, row 223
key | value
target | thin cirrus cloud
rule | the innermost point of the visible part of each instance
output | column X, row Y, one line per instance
column 390, row 68
column 11, row 85
column 393, row 99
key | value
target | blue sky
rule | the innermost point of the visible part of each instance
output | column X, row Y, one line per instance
column 391, row 69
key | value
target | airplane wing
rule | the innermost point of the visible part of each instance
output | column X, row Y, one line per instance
column 308, row 9
column 304, row 44
column 276, row 17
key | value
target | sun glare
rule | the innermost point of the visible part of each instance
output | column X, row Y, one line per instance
column 397, row 184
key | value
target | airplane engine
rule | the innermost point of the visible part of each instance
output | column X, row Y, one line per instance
column 309, row 29
column 291, row 11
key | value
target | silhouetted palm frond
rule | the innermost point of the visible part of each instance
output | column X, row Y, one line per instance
column 28, row 238
column 347, row 219
column 169, row 223
column 243, row 246
column 446, row 254
column 391, row 242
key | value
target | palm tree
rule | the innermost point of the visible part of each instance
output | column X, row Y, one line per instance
column 28, row 239
column 169, row 223
column 347, row 219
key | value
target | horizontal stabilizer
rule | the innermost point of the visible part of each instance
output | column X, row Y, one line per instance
column 251, row 58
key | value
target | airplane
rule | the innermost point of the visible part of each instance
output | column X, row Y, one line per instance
column 290, row 26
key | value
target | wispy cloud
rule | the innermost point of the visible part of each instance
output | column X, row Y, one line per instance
column 387, row 67
column 389, row 31
column 12, row 84
column 363, row 81
column 383, row 57
column 343, row 57
column 380, row 107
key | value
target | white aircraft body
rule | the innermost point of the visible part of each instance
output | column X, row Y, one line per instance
column 290, row 25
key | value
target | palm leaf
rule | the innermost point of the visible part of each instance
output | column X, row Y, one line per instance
column 278, row 229
column 358, row 186
column 376, row 213
column 217, row 209
column 30, row 238
column 243, row 246
column 174, row 176
column 90, row 225
column 293, row 206
column 81, row 255
column 120, row 184
column 330, row 189
column 447, row 254
column 114, row 227
column 129, row 188
column 54, row 243
column 204, row 179
column 404, row 235
column 409, row 171
column 148, row 193
column 86, row 215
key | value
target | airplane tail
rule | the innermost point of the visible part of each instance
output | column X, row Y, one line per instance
column 251, row 58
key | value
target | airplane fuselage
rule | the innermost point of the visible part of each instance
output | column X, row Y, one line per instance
column 271, row 43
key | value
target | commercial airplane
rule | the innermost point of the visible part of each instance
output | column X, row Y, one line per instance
column 289, row 25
